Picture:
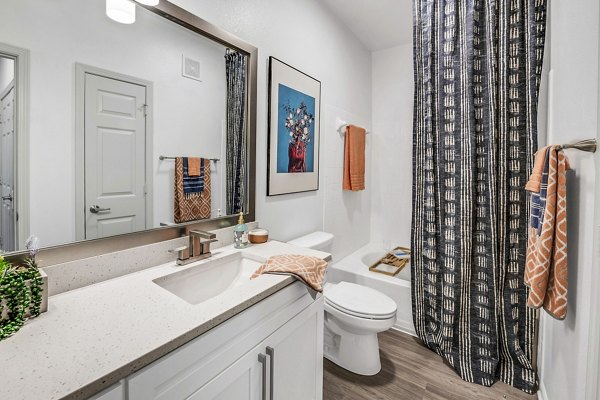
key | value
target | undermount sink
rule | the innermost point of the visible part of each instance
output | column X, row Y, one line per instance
column 210, row 278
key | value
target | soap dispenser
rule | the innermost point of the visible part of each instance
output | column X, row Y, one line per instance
column 240, row 234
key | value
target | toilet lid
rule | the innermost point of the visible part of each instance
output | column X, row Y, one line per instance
column 360, row 301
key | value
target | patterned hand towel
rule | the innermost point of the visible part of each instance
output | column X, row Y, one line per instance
column 546, row 263
column 354, row 158
column 192, row 183
column 309, row 270
column 192, row 204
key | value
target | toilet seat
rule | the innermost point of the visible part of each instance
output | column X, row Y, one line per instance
column 359, row 301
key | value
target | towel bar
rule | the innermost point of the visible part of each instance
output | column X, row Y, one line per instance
column 341, row 126
column 588, row 145
column 172, row 158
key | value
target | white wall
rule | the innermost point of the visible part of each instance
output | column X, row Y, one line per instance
column 188, row 115
column 306, row 35
column 7, row 72
column 573, row 108
column 393, row 85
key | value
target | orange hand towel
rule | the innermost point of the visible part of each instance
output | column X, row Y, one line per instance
column 354, row 158
column 193, row 166
column 535, row 181
column 309, row 270
column 546, row 263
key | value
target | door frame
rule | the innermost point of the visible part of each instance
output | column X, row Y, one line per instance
column 22, row 98
column 80, row 213
column 592, row 387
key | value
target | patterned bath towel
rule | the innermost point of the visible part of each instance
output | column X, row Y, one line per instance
column 309, row 270
column 546, row 264
column 192, row 204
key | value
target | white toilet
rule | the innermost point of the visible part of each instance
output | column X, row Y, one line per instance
column 354, row 315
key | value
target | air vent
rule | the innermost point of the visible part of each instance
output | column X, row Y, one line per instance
column 191, row 68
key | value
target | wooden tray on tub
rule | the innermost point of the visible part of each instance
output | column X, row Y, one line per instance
column 391, row 264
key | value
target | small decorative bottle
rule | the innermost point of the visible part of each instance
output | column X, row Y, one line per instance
column 240, row 234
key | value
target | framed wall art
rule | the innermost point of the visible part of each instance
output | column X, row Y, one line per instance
column 294, row 130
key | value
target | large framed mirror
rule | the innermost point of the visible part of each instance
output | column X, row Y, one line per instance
column 120, row 134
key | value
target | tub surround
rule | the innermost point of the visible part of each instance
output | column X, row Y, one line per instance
column 93, row 336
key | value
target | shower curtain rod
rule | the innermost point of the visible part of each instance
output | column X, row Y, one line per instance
column 172, row 158
column 588, row 145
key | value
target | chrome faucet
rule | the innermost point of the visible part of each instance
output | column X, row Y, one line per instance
column 198, row 248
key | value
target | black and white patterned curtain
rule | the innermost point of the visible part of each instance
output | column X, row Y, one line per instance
column 236, row 140
column 477, row 72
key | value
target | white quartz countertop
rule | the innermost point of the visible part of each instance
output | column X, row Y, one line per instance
column 92, row 337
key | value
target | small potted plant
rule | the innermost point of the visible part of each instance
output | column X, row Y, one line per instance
column 21, row 291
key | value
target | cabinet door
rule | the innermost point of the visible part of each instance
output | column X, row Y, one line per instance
column 296, row 357
column 115, row 392
column 243, row 380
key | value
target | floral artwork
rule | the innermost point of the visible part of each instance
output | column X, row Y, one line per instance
column 294, row 131
column 295, row 149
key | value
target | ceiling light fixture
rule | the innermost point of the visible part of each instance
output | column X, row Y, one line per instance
column 122, row 11
column 148, row 2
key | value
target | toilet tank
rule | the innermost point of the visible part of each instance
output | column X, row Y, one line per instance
column 317, row 241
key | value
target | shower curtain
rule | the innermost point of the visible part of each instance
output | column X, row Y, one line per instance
column 236, row 138
column 477, row 72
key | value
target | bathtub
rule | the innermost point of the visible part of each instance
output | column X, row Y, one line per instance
column 355, row 268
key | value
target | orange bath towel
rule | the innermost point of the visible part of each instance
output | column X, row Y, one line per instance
column 193, row 166
column 309, row 270
column 546, row 263
column 354, row 158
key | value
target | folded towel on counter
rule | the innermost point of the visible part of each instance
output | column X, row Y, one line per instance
column 546, row 262
column 193, row 204
column 309, row 270
column 192, row 184
column 354, row 158
column 194, row 166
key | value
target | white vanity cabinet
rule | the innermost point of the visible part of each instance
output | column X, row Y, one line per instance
column 115, row 392
column 271, row 351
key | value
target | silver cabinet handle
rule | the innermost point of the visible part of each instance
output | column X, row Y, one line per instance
column 9, row 198
column 97, row 209
column 271, row 354
column 263, row 360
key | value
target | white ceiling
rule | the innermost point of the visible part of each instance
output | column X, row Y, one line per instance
column 379, row 24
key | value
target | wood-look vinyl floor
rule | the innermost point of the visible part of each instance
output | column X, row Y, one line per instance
column 409, row 371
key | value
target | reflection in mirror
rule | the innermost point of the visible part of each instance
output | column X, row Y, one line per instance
column 132, row 127
column 7, row 147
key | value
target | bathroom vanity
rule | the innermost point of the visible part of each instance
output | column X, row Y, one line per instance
column 274, row 347
column 141, row 335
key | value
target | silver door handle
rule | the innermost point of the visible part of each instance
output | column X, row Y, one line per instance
column 271, row 354
column 9, row 198
column 263, row 360
column 98, row 209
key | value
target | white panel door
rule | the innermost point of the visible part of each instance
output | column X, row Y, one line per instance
column 7, row 170
column 115, row 153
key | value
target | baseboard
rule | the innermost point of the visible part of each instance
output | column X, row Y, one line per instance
column 405, row 328
column 542, row 394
